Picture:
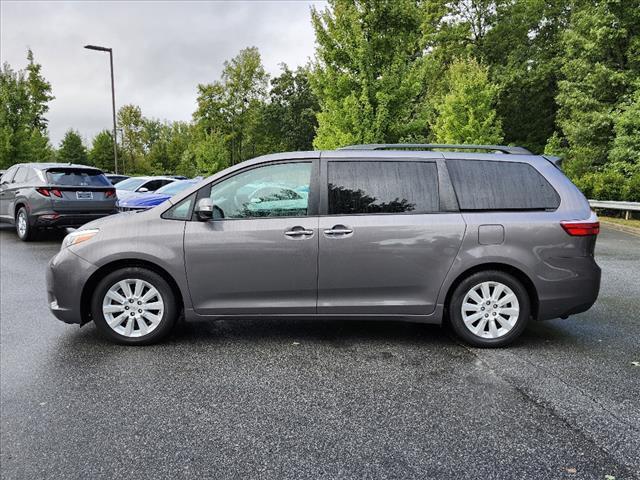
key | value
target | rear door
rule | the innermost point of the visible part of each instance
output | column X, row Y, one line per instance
column 80, row 190
column 385, row 242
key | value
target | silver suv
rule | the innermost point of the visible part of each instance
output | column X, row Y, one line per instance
column 424, row 233
column 34, row 196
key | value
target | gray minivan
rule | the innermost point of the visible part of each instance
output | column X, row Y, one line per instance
column 424, row 233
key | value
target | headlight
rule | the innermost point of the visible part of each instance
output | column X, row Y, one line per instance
column 79, row 236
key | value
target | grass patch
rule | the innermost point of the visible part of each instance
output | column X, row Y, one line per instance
column 621, row 221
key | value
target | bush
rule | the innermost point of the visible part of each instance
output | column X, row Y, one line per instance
column 606, row 185
column 586, row 184
column 631, row 191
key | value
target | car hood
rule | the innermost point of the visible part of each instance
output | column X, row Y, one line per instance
column 143, row 200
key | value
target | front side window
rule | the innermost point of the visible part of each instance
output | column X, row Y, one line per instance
column 21, row 175
column 363, row 187
column 279, row 190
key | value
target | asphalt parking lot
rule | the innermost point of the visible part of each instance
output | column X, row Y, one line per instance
column 319, row 399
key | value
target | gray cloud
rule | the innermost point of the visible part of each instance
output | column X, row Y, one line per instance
column 162, row 50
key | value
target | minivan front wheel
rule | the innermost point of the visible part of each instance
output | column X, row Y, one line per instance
column 134, row 306
column 489, row 309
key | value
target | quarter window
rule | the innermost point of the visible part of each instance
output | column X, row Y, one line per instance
column 382, row 187
column 499, row 185
column 279, row 190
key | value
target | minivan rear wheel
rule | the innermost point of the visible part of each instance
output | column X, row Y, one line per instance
column 134, row 306
column 489, row 309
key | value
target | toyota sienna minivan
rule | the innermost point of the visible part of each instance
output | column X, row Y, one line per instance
column 426, row 233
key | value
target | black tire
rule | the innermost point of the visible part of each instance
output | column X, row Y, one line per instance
column 456, row 317
column 168, row 317
column 29, row 232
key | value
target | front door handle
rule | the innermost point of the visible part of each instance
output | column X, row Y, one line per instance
column 298, row 231
column 338, row 230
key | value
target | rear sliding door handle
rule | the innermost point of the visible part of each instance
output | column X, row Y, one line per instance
column 338, row 230
column 297, row 232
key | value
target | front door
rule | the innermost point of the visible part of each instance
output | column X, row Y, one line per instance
column 259, row 255
column 385, row 248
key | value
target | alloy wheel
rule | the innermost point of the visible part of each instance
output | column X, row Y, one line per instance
column 22, row 223
column 133, row 307
column 490, row 310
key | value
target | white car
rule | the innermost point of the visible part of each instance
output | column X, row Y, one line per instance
column 135, row 185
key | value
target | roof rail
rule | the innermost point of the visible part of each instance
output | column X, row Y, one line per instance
column 432, row 146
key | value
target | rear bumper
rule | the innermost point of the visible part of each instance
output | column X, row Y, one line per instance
column 571, row 295
column 64, row 219
column 67, row 275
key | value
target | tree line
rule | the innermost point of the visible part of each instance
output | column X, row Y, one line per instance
column 557, row 77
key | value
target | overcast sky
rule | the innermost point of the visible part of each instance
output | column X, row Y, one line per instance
column 162, row 50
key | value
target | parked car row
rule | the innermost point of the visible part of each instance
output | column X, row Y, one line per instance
column 36, row 196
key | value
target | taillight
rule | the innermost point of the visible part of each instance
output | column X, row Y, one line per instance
column 47, row 192
column 110, row 193
column 581, row 229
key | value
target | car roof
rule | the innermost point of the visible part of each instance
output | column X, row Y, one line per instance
column 48, row 165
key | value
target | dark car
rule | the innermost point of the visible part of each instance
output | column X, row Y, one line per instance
column 145, row 201
column 115, row 178
column 34, row 196
column 487, row 241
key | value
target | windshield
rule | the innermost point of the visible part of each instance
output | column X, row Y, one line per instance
column 175, row 187
column 130, row 184
column 77, row 178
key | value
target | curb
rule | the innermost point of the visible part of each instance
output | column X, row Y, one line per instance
column 621, row 228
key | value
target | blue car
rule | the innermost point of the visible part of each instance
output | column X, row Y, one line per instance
column 146, row 201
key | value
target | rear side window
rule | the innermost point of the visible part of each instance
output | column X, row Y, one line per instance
column 488, row 185
column 77, row 178
column 382, row 187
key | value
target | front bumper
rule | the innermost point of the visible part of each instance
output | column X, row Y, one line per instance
column 67, row 275
column 68, row 219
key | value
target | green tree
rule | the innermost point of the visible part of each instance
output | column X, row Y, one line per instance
column 72, row 150
column 232, row 105
column 24, row 97
column 39, row 94
column 133, row 159
column 101, row 153
column 207, row 154
column 467, row 114
column 600, row 68
column 368, row 71
column 288, row 120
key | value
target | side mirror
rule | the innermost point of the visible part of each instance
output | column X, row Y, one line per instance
column 204, row 209
column 143, row 190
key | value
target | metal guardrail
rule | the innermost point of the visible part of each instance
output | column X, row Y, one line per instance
column 626, row 207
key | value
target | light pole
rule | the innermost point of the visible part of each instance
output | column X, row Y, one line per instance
column 113, row 100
